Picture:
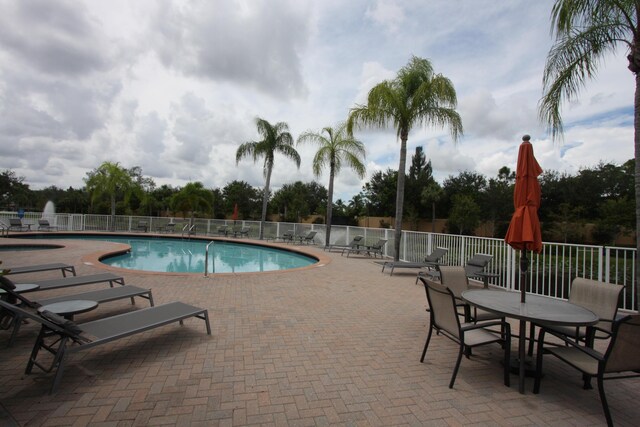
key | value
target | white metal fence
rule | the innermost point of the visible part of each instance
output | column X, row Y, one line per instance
column 550, row 272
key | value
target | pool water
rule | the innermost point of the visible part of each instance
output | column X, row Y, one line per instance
column 187, row 256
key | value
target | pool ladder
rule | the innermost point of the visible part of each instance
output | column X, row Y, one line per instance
column 188, row 230
column 206, row 259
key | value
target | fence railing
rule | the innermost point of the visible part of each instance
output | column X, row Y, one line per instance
column 550, row 272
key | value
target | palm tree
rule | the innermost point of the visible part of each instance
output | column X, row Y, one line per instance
column 276, row 139
column 335, row 148
column 585, row 32
column 110, row 179
column 191, row 198
column 416, row 96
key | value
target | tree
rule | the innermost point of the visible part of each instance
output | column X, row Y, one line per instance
column 299, row 200
column 585, row 32
column 416, row 96
column 465, row 213
column 419, row 178
column 335, row 148
column 432, row 194
column 380, row 192
column 245, row 196
column 276, row 139
column 111, row 180
column 192, row 198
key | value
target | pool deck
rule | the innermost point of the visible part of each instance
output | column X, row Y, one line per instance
column 333, row 345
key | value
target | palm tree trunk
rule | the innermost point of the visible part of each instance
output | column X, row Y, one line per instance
column 265, row 200
column 636, row 140
column 327, row 236
column 400, row 193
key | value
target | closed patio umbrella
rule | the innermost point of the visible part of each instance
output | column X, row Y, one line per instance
column 234, row 216
column 524, row 228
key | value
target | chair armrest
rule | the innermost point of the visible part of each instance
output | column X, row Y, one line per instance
column 587, row 350
column 483, row 325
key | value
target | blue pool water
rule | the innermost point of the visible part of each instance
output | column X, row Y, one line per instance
column 187, row 256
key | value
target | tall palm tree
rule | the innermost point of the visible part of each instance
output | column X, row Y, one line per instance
column 111, row 180
column 276, row 139
column 416, row 96
column 585, row 32
column 335, row 148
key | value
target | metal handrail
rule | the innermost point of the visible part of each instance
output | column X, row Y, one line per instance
column 206, row 259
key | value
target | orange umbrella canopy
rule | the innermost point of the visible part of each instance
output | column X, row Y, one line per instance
column 524, row 229
column 234, row 216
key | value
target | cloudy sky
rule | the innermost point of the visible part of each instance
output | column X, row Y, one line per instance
column 175, row 86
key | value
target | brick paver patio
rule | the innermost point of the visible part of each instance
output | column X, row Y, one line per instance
column 332, row 345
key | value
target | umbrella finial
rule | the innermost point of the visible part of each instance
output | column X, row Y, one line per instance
column 526, row 138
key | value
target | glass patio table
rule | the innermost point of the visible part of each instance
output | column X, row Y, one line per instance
column 537, row 309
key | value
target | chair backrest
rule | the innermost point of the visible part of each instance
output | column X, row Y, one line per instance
column 379, row 244
column 622, row 353
column 454, row 278
column 443, row 307
column 356, row 241
column 43, row 222
column 436, row 255
column 477, row 263
column 29, row 315
column 311, row 234
column 12, row 296
column 600, row 297
column 15, row 222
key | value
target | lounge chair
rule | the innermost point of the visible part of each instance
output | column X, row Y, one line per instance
column 355, row 242
column 430, row 261
column 99, row 296
column 375, row 249
column 167, row 228
column 65, row 268
column 44, row 225
column 142, row 226
column 17, row 225
column 308, row 238
column 474, row 267
column 97, row 332
column 78, row 281
column 287, row 236
column 244, row 231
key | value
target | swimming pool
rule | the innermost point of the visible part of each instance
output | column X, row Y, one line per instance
column 171, row 255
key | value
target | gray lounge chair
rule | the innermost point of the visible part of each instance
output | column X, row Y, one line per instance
column 99, row 296
column 375, row 249
column 287, row 236
column 355, row 242
column 308, row 238
column 17, row 225
column 44, row 225
column 91, row 334
column 223, row 230
column 142, row 226
column 65, row 268
column 430, row 261
column 78, row 281
column 473, row 268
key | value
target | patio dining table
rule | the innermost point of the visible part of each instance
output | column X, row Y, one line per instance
column 537, row 309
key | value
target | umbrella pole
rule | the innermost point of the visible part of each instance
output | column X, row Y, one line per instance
column 524, row 265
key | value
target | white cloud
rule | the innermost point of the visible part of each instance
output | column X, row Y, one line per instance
column 174, row 86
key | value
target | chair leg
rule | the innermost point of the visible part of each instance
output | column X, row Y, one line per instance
column 506, row 331
column 532, row 334
column 603, row 400
column 536, row 384
column 426, row 344
column 455, row 370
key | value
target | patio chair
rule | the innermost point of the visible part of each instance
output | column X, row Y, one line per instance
column 58, row 334
column 355, row 242
column 456, row 280
column 621, row 356
column 223, row 230
column 44, row 225
column 17, row 225
column 308, row 238
column 375, row 249
column 166, row 228
column 444, row 320
column 430, row 261
column 142, row 226
column 64, row 268
column 473, row 267
column 287, row 236
column 99, row 296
